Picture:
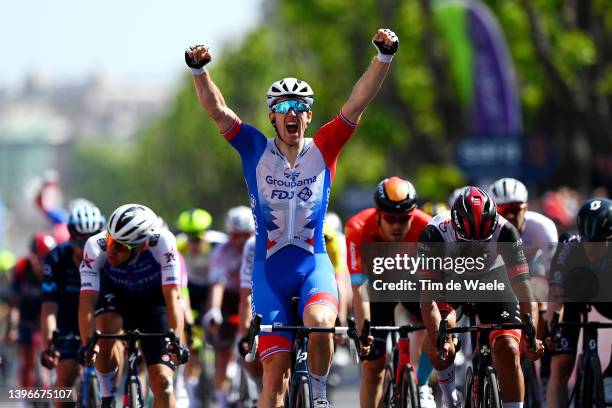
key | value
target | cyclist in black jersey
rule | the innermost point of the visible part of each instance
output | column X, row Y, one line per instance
column 473, row 218
column 591, row 248
column 60, row 295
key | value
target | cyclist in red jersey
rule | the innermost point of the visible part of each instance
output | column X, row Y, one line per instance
column 395, row 219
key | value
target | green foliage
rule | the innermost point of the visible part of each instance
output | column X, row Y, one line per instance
column 181, row 161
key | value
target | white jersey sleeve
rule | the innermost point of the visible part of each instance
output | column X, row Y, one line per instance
column 540, row 238
column 166, row 255
column 248, row 260
column 93, row 259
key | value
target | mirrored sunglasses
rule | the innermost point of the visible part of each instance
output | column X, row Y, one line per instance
column 395, row 218
column 285, row 106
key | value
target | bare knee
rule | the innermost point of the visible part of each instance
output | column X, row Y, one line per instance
column 162, row 385
column 373, row 371
column 506, row 352
column 276, row 372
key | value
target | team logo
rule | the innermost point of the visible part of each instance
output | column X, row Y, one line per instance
column 595, row 205
column 282, row 194
column 305, row 194
column 87, row 261
column 170, row 257
column 313, row 291
column 505, row 314
column 291, row 174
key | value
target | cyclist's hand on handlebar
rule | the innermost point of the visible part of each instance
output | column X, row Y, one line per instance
column 197, row 56
column 85, row 359
column 365, row 345
column 49, row 359
column 212, row 318
column 532, row 355
column 178, row 354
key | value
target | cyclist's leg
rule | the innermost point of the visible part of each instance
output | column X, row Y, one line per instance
column 319, row 308
column 373, row 369
column 224, row 347
column 272, row 292
column 25, row 349
column 153, row 318
column 444, row 369
column 505, row 344
column 68, row 368
column 109, row 356
column 563, row 357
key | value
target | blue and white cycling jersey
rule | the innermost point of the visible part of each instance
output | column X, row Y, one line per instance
column 289, row 203
column 156, row 266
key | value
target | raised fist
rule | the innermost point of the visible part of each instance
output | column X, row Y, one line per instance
column 197, row 56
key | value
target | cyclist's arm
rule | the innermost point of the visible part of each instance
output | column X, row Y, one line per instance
column 48, row 314
column 365, row 90
column 513, row 254
column 212, row 100
column 90, row 286
column 176, row 315
column 430, row 245
column 244, row 311
column 361, row 306
column 216, row 296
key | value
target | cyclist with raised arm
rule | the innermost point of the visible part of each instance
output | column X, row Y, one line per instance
column 130, row 278
column 474, row 219
column 24, row 300
column 225, row 295
column 289, row 179
column 395, row 218
column 590, row 247
column 60, row 296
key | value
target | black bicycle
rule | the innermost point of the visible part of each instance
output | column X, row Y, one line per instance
column 89, row 389
column 399, row 386
column 300, row 389
column 589, row 390
column 482, row 385
column 133, row 395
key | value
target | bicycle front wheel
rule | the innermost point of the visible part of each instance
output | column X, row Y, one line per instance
column 93, row 392
column 134, row 397
column 302, row 394
column 592, row 384
column 409, row 397
column 388, row 381
column 490, row 390
column 532, row 386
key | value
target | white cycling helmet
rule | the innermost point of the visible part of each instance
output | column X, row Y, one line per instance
column 290, row 87
column 85, row 220
column 239, row 219
column 132, row 224
column 508, row 190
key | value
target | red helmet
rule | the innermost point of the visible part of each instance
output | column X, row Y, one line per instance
column 41, row 244
column 474, row 215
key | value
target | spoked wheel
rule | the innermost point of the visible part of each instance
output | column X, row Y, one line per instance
column 468, row 391
column 409, row 397
column 135, row 397
column 490, row 391
column 532, row 386
column 388, row 380
column 93, row 392
column 591, row 386
column 303, row 394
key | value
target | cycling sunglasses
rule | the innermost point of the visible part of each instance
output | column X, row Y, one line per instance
column 119, row 246
column 391, row 218
column 513, row 208
column 285, row 106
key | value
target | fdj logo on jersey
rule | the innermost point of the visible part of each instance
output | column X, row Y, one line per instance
column 282, row 194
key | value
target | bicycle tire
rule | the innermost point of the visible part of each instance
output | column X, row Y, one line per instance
column 94, row 398
column 409, row 398
column 532, row 385
column 303, row 394
column 388, row 380
column 468, row 387
column 248, row 395
column 490, row 390
column 134, row 396
column 591, row 386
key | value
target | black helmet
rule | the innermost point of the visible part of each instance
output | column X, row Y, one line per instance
column 395, row 195
column 594, row 220
column 474, row 215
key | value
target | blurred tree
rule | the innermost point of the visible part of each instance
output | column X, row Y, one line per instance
column 561, row 49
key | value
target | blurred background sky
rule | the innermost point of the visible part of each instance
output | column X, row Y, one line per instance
column 130, row 40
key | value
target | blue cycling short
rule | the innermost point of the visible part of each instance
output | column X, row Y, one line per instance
column 290, row 272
